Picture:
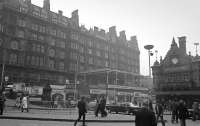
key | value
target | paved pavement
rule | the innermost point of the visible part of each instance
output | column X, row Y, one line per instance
column 11, row 122
column 13, row 117
column 53, row 123
column 64, row 116
column 41, row 117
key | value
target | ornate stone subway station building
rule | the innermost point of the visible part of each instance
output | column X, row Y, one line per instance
column 177, row 76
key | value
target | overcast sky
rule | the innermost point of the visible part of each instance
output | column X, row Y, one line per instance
column 152, row 21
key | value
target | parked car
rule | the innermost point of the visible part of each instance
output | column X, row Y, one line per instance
column 126, row 107
column 191, row 114
column 92, row 105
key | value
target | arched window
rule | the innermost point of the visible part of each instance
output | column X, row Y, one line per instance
column 51, row 64
column 14, row 45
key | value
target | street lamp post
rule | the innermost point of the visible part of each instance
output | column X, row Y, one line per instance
column 149, row 47
column 2, row 74
column 75, row 79
column 3, row 68
column 107, row 72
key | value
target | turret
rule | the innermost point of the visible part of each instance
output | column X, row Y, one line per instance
column 122, row 36
column 113, row 34
column 182, row 44
column 75, row 18
column 46, row 5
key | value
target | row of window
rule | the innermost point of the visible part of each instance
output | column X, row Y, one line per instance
column 35, row 61
column 89, row 42
column 16, row 59
column 58, row 53
column 38, row 77
column 34, row 36
column 74, row 67
column 43, row 14
column 38, row 48
column 61, row 54
column 18, row 45
column 38, row 28
column 178, row 77
column 41, row 28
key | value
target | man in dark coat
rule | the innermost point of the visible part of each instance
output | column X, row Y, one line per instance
column 182, row 112
column 2, row 102
column 174, row 108
column 159, row 112
column 145, row 117
column 102, row 107
column 82, row 109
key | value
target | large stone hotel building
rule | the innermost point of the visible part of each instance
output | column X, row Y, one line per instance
column 39, row 47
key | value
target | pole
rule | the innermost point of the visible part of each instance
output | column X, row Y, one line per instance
column 2, row 74
column 106, row 85
column 75, row 80
column 149, row 63
column 3, row 68
column 115, row 85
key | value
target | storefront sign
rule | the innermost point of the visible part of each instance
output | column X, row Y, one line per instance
column 97, row 91
column 127, row 87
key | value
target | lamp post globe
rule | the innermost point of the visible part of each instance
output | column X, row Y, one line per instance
column 149, row 47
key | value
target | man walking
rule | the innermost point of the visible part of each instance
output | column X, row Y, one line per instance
column 103, row 107
column 2, row 102
column 159, row 111
column 145, row 117
column 81, row 111
column 174, row 108
column 182, row 112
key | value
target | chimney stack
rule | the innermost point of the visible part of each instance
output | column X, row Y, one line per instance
column 113, row 34
column 182, row 44
column 75, row 18
column 122, row 36
column 46, row 5
column 60, row 12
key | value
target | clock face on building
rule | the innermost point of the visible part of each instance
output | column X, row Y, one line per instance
column 174, row 60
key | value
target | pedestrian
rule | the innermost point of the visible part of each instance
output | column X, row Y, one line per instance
column 145, row 117
column 102, row 107
column 2, row 102
column 82, row 110
column 159, row 112
column 17, row 104
column 150, row 105
column 25, row 102
column 174, row 108
column 97, row 107
column 196, row 111
column 182, row 112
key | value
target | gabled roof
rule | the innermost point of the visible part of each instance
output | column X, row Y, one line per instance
column 175, row 51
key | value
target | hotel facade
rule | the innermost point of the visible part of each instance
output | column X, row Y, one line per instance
column 40, row 47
